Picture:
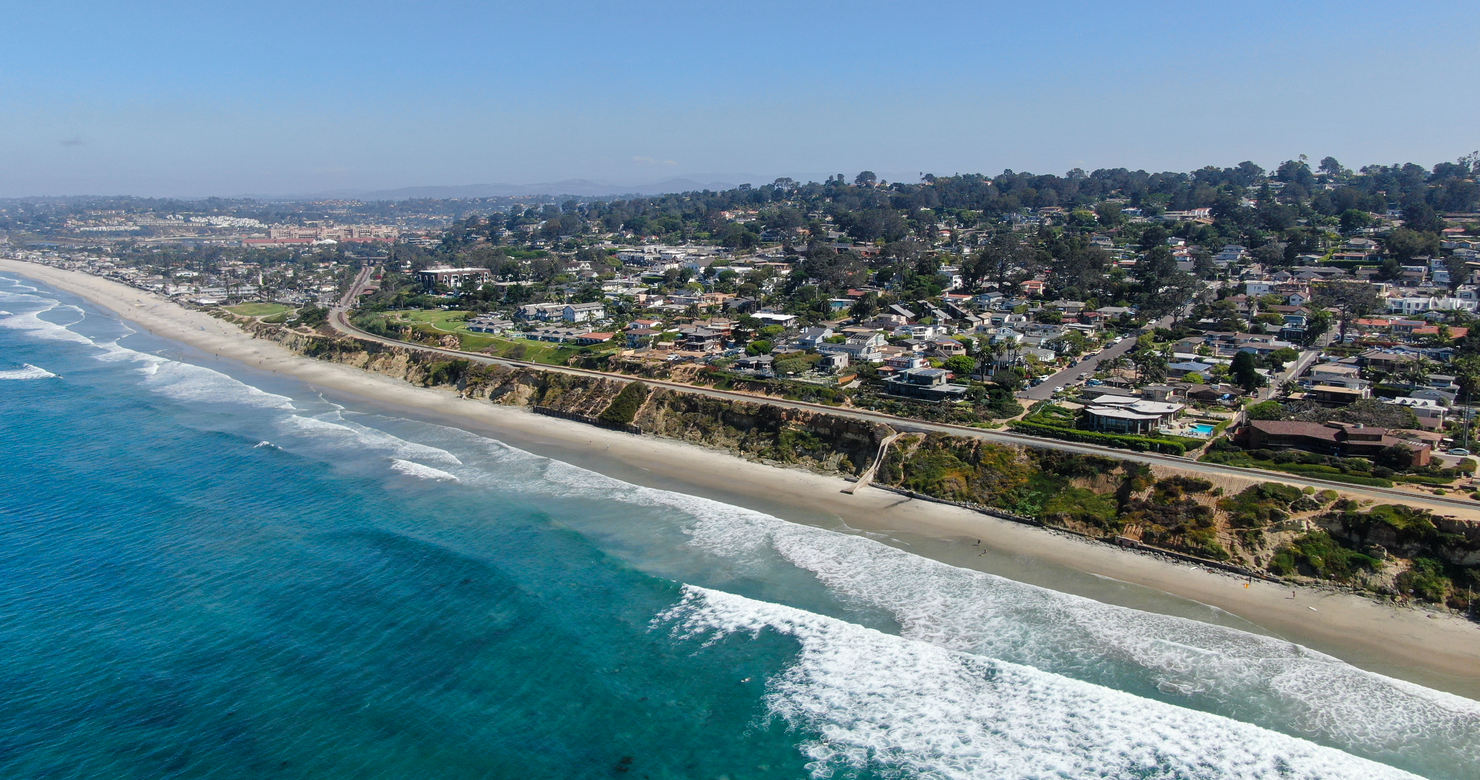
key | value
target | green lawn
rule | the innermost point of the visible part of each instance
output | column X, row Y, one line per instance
column 259, row 309
column 439, row 322
column 450, row 321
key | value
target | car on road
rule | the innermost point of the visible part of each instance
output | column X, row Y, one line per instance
column 1460, row 451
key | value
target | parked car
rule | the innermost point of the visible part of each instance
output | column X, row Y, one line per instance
column 1461, row 451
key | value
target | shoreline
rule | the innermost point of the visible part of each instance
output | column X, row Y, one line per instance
column 1437, row 650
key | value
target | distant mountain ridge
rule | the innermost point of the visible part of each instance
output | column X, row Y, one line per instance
column 574, row 187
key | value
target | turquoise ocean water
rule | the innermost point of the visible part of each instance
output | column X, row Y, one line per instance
column 210, row 572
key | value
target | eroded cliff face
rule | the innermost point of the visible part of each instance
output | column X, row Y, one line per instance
column 756, row 431
column 1266, row 528
column 760, row 431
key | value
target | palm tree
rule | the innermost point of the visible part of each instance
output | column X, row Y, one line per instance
column 1416, row 371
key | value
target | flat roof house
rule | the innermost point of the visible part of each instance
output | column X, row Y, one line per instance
column 931, row 384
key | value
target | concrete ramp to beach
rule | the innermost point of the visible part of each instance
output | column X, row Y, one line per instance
column 868, row 475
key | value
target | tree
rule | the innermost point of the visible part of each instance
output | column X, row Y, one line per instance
column 1405, row 244
column 1353, row 220
column 1109, row 214
column 1265, row 410
column 1316, row 325
column 1416, row 371
column 1332, row 168
column 1245, row 374
column 1375, row 413
column 865, row 179
column 759, row 347
column 960, row 365
column 1350, row 300
column 789, row 366
column 1161, row 286
column 1150, row 363
column 1420, row 217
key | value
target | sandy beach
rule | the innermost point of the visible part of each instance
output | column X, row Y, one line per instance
column 1437, row 650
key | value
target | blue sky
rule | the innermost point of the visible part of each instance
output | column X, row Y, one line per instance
column 285, row 98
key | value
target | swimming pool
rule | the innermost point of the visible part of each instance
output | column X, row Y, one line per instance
column 1203, row 429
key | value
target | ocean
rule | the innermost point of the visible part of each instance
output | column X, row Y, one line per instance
column 208, row 571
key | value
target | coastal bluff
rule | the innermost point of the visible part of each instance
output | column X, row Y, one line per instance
column 1259, row 529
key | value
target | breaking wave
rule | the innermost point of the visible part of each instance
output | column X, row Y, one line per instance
column 422, row 471
column 27, row 371
column 865, row 700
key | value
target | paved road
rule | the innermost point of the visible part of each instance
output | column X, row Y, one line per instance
column 1089, row 364
column 339, row 320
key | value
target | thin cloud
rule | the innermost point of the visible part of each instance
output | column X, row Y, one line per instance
column 640, row 160
column 75, row 140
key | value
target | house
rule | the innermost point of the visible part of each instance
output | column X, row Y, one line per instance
column 637, row 338
column 538, row 312
column 489, row 323
column 1335, row 384
column 833, row 362
column 947, row 348
column 811, row 337
column 700, row 339
column 1339, row 439
column 1121, row 414
column 582, row 312
column 931, row 384
column 453, row 278
column 906, row 362
column 593, row 338
column 1179, row 370
column 859, row 349
column 775, row 318
column 759, row 364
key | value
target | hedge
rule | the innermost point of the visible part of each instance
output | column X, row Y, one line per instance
column 1137, row 443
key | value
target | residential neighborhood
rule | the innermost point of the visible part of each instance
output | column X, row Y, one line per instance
column 1217, row 332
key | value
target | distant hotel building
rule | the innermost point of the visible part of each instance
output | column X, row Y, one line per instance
column 453, row 278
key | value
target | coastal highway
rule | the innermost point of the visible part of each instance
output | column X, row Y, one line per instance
column 339, row 320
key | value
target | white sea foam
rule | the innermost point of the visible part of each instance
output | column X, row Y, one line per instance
column 31, row 323
column 422, row 471
column 28, row 371
column 1256, row 678
column 171, row 378
column 874, row 701
column 334, row 430
column 1263, row 680
column 189, row 382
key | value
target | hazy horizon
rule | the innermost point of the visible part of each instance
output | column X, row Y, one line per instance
column 277, row 100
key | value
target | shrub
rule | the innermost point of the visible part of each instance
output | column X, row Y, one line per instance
column 623, row 408
column 1323, row 556
column 1426, row 580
